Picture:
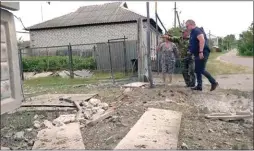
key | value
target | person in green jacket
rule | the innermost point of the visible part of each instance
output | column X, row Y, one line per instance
column 188, row 70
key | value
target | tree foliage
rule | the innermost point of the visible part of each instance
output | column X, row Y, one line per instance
column 175, row 31
column 245, row 42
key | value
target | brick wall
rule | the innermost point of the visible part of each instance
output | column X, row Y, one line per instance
column 82, row 35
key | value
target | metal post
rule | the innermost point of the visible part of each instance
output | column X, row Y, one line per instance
column 149, row 47
column 21, row 65
column 125, row 57
column 175, row 16
column 94, row 55
column 110, row 61
column 70, row 61
column 157, row 39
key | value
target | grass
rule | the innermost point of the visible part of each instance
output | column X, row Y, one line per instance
column 217, row 67
column 51, row 81
column 57, row 84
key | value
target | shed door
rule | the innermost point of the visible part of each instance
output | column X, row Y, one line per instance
column 11, row 96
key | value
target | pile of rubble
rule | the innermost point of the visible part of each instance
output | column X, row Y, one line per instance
column 65, row 130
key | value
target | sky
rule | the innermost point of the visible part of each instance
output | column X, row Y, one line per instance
column 221, row 18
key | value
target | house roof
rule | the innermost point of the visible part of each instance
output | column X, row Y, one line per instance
column 116, row 12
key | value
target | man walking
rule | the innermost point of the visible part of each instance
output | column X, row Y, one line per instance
column 198, row 45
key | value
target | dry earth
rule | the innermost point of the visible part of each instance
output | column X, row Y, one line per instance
column 196, row 131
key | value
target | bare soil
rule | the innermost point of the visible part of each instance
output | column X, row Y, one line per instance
column 196, row 132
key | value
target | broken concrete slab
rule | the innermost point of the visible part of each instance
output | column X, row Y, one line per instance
column 156, row 129
column 50, row 100
column 135, row 85
column 65, row 137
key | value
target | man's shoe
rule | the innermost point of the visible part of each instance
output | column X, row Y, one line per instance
column 197, row 88
column 214, row 86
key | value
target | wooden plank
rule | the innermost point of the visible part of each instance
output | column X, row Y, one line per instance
column 156, row 129
column 53, row 100
column 229, row 117
column 100, row 118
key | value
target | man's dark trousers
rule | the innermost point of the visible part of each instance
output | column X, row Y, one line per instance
column 200, row 65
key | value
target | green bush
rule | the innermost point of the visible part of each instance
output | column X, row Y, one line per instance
column 55, row 63
column 245, row 43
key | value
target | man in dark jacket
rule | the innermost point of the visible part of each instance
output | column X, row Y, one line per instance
column 198, row 45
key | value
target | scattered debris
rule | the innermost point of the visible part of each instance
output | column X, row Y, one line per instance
column 64, row 119
column 184, row 146
column 30, row 143
column 88, row 113
column 127, row 90
column 19, row 135
column 204, row 110
column 36, row 116
column 94, row 102
column 104, row 106
column 37, row 124
column 29, row 129
column 135, row 84
column 110, row 140
column 140, row 146
column 48, row 124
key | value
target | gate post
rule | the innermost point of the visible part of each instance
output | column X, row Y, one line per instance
column 110, row 61
column 125, row 57
column 70, row 61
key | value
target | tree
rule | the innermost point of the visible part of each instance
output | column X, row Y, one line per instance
column 175, row 31
column 245, row 42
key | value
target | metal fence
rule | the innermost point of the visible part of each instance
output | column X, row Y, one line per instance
column 116, row 55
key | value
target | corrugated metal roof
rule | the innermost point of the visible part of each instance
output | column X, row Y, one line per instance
column 90, row 15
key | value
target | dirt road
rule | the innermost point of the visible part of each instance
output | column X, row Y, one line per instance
column 231, row 57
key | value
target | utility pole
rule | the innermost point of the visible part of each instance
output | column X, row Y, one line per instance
column 150, row 78
column 41, row 13
column 175, row 16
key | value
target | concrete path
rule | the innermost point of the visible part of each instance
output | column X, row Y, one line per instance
column 156, row 129
column 231, row 57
